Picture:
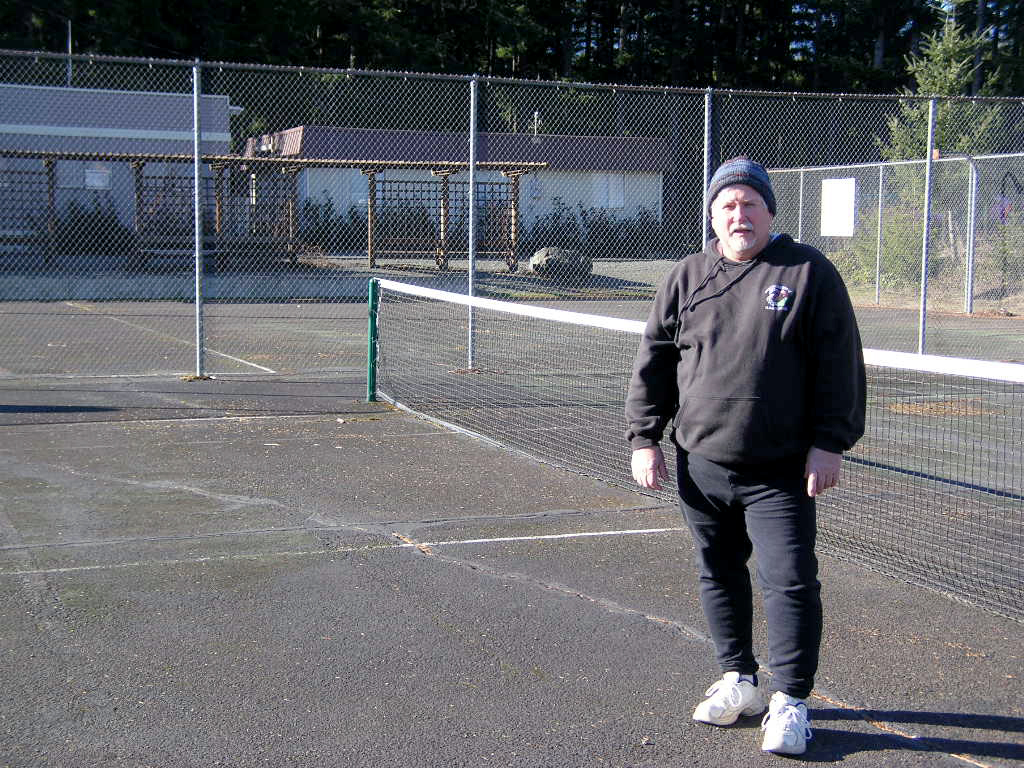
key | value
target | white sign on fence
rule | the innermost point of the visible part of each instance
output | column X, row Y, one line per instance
column 838, row 206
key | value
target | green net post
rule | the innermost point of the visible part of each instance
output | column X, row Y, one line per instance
column 371, row 343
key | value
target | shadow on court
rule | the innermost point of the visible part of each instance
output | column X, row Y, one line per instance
column 250, row 572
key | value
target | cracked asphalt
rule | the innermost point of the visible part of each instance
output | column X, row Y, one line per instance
column 238, row 572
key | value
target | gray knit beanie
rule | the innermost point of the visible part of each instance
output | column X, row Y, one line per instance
column 742, row 170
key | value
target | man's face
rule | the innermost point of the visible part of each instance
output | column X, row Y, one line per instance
column 742, row 222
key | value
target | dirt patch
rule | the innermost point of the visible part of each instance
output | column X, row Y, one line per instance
column 941, row 408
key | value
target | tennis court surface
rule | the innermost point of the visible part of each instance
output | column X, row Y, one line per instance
column 248, row 572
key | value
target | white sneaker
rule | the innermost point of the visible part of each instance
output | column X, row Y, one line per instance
column 727, row 699
column 785, row 726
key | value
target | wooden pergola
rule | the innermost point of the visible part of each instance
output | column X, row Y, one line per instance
column 443, row 169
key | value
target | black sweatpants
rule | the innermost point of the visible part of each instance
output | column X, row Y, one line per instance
column 732, row 512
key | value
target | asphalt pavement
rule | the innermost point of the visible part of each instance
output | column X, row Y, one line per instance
column 243, row 572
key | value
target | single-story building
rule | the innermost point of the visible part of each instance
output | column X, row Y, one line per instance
column 413, row 183
column 621, row 175
column 95, row 150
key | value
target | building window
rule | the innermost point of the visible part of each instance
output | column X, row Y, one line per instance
column 616, row 190
column 68, row 174
column 610, row 190
column 78, row 175
column 534, row 187
column 97, row 176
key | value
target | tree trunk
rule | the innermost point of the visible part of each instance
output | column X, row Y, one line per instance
column 979, row 26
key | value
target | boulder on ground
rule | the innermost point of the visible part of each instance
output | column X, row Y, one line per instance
column 559, row 262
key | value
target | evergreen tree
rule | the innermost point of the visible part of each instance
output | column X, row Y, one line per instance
column 847, row 46
column 945, row 68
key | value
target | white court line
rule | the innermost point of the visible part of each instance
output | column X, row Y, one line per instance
column 865, row 714
column 167, row 337
column 547, row 537
column 311, row 552
column 238, row 360
column 181, row 561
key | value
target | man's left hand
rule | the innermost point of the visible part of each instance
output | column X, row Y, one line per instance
column 822, row 470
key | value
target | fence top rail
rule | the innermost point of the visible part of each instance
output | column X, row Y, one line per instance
column 285, row 162
column 798, row 95
column 85, row 58
column 951, row 158
column 738, row 93
column 96, row 58
column 559, row 84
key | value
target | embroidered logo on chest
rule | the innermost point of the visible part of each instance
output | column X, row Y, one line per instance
column 777, row 297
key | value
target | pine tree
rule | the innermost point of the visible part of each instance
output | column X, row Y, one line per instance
column 945, row 69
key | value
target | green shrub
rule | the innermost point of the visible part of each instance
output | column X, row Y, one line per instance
column 559, row 228
column 96, row 232
column 998, row 262
column 607, row 236
column 900, row 253
column 321, row 226
column 597, row 232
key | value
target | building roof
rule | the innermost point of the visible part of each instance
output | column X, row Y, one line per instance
column 559, row 152
column 57, row 119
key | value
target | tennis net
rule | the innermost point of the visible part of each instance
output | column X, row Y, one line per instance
column 933, row 494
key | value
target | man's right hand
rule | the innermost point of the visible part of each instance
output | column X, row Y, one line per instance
column 649, row 468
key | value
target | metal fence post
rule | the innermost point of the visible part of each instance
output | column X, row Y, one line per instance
column 922, row 325
column 800, row 211
column 472, row 214
column 878, row 237
column 197, row 212
column 972, row 216
column 705, row 220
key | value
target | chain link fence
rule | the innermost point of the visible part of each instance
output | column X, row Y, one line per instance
column 311, row 181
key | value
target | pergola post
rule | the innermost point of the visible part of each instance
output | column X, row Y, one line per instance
column 371, row 214
column 512, row 259
column 138, row 166
column 218, row 199
column 137, row 169
column 51, row 210
column 442, row 243
column 290, row 206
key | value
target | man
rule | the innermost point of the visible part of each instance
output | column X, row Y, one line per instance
column 752, row 351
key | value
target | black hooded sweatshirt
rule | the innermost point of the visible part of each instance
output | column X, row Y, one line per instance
column 752, row 361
